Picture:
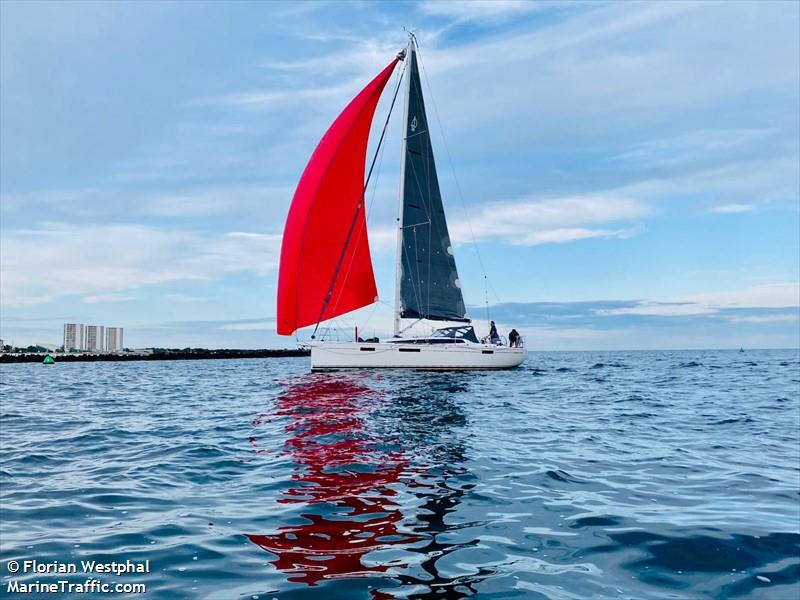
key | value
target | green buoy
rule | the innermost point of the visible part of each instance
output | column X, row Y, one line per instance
column 49, row 360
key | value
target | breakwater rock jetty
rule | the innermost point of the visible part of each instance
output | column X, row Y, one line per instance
column 154, row 354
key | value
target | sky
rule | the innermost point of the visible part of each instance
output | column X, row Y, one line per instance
column 630, row 172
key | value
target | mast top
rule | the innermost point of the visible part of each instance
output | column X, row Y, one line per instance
column 412, row 39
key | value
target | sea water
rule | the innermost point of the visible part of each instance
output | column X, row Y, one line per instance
column 579, row 475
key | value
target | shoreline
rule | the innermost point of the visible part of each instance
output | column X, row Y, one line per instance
column 166, row 355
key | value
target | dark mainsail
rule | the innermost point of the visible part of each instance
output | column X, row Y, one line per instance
column 429, row 285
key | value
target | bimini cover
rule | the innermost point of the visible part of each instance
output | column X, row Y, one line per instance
column 325, row 247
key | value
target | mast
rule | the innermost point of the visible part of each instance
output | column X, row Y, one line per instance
column 398, row 278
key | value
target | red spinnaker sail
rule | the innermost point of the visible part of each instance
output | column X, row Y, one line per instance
column 320, row 217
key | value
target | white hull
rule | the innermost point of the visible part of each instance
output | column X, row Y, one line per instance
column 355, row 355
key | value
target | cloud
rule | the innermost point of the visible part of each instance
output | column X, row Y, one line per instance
column 478, row 10
column 534, row 222
column 316, row 82
column 382, row 239
column 106, row 298
column 549, row 79
column 754, row 181
column 557, row 65
column 775, row 295
column 601, row 325
column 608, row 80
column 769, row 295
column 779, row 318
column 658, row 309
column 101, row 261
column 726, row 209
column 271, row 98
column 107, row 203
column 213, row 201
column 693, row 145
column 181, row 297
column 359, row 55
column 559, row 220
column 250, row 326
column 41, row 265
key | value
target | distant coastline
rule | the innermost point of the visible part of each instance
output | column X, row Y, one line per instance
column 188, row 354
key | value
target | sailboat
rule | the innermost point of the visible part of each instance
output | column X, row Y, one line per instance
column 326, row 267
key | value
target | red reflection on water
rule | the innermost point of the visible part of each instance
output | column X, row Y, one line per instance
column 346, row 468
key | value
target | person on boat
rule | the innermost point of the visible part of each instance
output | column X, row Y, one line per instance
column 493, row 335
column 513, row 338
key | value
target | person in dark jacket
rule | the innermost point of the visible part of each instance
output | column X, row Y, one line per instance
column 493, row 335
column 513, row 338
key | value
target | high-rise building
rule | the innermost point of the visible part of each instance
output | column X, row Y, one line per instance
column 114, row 339
column 73, row 336
column 94, row 338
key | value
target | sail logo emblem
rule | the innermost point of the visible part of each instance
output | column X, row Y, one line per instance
column 414, row 124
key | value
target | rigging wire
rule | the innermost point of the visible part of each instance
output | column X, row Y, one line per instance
column 486, row 283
